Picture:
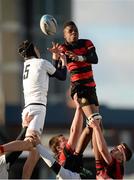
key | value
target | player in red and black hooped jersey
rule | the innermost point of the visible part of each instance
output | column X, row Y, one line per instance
column 80, row 68
column 114, row 170
column 80, row 55
column 109, row 165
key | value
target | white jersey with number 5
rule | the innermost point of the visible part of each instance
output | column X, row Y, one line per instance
column 36, row 80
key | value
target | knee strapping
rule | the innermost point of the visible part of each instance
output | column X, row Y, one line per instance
column 94, row 116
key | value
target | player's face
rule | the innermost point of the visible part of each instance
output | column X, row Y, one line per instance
column 62, row 142
column 118, row 153
column 71, row 34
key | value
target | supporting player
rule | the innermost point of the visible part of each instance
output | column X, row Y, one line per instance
column 60, row 171
column 109, row 165
column 69, row 164
column 7, row 160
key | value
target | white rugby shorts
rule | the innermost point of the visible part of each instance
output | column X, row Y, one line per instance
column 37, row 123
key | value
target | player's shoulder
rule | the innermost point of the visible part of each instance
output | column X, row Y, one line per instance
column 46, row 64
column 84, row 40
column 44, row 61
column 32, row 60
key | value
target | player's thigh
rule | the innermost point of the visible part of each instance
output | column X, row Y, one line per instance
column 90, row 109
column 89, row 101
column 37, row 123
column 88, row 97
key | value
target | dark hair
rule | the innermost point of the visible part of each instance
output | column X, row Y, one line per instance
column 128, row 151
column 69, row 23
column 26, row 49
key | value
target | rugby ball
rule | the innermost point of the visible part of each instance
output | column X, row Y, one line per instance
column 48, row 24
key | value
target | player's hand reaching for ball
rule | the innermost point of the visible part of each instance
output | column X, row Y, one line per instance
column 55, row 50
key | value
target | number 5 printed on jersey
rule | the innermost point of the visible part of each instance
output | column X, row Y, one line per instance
column 26, row 71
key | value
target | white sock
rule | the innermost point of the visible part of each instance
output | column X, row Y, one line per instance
column 46, row 156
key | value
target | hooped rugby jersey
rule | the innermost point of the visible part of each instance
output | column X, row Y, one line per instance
column 74, row 163
column 80, row 71
column 62, row 157
column 115, row 170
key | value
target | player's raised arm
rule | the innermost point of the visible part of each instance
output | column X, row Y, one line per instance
column 101, row 143
column 77, row 125
column 59, row 62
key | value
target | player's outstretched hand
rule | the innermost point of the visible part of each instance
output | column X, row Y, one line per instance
column 55, row 50
column 72, row 55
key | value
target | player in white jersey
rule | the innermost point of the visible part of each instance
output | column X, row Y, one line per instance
column 35, row 86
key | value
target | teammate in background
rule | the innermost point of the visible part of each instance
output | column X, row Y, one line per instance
column 7, row 160
column 59, row 142
column 80, row 54
column 36, row 75
column 61, row 171
column 109, row 165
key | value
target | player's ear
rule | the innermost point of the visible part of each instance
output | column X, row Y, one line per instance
column 64, row 35
column 58, row 148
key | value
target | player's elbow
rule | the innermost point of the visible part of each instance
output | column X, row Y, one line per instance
column 96, row 60
column 63, row 78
